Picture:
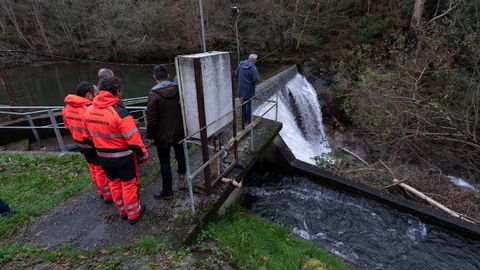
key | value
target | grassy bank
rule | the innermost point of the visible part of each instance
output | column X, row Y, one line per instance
column 34, row 184
column 252, row 242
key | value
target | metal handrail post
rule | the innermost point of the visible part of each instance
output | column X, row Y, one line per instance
column 189, row 178
column 251, row 138
column 57, row 132
column 144, row 118
column 276, row 108
column 34, row 130
column 251, row 120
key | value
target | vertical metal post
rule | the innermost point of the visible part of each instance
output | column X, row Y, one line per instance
column 242, row 109
column 251, row 124
column 34, row 130
column 202, row 25
column 238, row 42
column 144, row 118
column 276, row 108
column 57, row 132
column 251, row 135
column 218, row 161
column 234, row 124
column 197, row 66
column 189, row 179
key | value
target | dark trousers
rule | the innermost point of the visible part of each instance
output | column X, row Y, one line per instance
column 4, row 208
column 165, row 169
column 247, row 111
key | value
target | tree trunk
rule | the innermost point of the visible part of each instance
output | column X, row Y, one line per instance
column 415, row 23
column 40, row 27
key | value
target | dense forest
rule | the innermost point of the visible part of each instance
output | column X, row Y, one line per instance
column 412, row 66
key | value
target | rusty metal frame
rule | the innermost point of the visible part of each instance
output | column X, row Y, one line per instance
column 202, row 120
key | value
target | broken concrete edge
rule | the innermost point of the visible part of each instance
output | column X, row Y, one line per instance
column 428, row 215
column 231, row 194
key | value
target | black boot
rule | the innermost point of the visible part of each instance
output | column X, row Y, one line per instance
column 163, row 195
column 142, row 211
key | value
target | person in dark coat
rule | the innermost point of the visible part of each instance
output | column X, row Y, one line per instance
column 247, row 76
column 4, row 208
column 165, row 129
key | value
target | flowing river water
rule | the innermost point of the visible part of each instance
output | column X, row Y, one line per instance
column 364, row 232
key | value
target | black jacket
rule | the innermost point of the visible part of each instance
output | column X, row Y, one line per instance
column 4, row 208
column 164, row 115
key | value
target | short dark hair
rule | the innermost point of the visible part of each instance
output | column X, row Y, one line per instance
column 83, row 88
column 160, row 72
column 111, row 85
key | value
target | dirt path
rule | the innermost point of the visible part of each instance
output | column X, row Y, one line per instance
column 88, row 222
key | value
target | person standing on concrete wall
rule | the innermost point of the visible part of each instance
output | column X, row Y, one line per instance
column 247, row 76
column 165, row 129
column 75, row 106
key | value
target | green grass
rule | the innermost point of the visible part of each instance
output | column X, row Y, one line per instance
column 34, row 184
column 252, row 242
column 26, row 255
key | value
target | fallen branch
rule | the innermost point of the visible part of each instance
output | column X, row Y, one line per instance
column 432, row 201
column 396, row 183
column 388, row 168
column 355, row 155
column 443, row 14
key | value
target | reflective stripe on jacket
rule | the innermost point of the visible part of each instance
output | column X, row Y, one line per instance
column 110, row 127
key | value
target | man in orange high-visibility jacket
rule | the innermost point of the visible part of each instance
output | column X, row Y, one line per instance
column 72, row 119
column 119, row 146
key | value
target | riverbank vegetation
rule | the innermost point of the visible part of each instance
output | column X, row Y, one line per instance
column 146, row 30
column 411, row 97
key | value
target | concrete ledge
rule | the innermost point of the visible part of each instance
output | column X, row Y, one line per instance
column 430, row 216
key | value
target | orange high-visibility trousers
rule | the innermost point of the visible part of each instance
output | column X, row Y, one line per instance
column 125, row 196
column 116, row 190
column 130, row 198
column 93, row 174
column 102, row 183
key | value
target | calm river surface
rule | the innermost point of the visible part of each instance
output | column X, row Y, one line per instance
column 362, row 231
column 49, row 84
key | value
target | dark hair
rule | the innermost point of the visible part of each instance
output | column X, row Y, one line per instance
column 84, row 88
column 111, row 85
column 160, row 72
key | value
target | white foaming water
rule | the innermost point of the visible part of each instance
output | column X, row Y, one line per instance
column 462, row 183
column 300, row 113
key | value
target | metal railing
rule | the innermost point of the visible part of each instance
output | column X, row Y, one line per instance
column 32, row 113
column 231, row 143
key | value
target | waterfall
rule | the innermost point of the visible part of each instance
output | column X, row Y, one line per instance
column 301, row 116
